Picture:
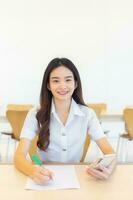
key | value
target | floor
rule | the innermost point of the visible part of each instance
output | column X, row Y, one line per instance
column 123, row 147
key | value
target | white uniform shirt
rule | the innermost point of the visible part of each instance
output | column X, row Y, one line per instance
column 66, row 141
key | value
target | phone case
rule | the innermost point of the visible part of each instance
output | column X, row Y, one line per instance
column 107, row 159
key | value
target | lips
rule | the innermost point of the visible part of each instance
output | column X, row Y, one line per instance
column 63, row 92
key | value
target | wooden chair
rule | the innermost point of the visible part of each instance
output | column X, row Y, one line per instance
column 98, row 108
column 128, row 119
column 19, row 107
column 16, row 115
column 86, row 145
column 126, row 139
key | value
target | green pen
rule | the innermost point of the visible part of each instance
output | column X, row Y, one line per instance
column 38, row 162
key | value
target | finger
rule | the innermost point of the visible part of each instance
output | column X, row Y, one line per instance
column 100, row 171
column 52, row 175
column 47, row 172
column 42, row 178
column 40, row 175
column 41, row 181
column 37, row 180
column 106, row 170
column 91, row 173
column 94, row 173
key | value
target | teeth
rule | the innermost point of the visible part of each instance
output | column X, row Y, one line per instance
column 62, row 93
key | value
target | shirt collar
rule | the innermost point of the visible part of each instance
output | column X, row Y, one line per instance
column 53, row 110
column 74, row 109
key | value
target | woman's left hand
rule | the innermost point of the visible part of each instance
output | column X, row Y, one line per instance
column 99, row 171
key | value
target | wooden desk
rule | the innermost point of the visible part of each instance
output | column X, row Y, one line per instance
column 118, row 187
column 112, row 116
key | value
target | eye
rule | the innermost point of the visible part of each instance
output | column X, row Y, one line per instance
column 68, row 80
column 55, row 81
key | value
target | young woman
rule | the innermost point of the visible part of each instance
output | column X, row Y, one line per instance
column 62, row 122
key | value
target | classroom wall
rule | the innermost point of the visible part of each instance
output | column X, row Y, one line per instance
column 95, row 35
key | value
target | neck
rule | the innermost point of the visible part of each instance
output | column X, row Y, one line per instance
column 62, row 106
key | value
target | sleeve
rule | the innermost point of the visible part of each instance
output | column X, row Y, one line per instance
column 30, row 126
column 94, row 128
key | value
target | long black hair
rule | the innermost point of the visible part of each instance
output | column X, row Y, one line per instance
column 43, row 114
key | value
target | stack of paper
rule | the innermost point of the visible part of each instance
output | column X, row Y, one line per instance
column 65, row 178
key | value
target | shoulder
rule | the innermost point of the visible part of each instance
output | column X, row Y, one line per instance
column 30, row 126
column 87, row 111
column 32, row 112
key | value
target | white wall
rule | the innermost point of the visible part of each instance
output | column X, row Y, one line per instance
column 96, row 35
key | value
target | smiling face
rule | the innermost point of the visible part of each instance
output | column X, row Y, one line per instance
column 62, row 83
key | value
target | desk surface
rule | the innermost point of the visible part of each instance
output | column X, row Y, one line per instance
column 117, row 187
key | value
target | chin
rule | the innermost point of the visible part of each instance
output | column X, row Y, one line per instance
column 63, row 97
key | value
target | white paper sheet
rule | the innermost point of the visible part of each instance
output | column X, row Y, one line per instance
column 65, row 178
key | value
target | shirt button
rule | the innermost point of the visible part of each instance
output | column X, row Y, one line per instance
column 63, row 149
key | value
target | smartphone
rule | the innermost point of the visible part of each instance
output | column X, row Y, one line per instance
column 106, row 160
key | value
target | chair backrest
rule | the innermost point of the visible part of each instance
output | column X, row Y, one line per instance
column 99, row 108
column 16, row 116
column 33, row 147
column 86, row 145
column 128, row 118
column 19, row 107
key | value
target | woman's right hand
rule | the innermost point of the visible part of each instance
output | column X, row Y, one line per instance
column 41, row 175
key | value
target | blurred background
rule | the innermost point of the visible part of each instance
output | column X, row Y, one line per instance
column 95, row 35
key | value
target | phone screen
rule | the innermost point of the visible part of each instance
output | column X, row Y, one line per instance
column 107, row 159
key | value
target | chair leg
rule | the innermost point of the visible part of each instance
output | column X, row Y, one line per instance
column 117, row 148
column 120, row 150
column 7, row 149
column 124, row 150
column 8, row 135
column 12, row 150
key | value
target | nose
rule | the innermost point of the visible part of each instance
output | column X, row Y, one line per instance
column 62, row 85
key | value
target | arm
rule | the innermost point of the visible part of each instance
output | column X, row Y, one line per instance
column 20, row 161
column 105, row 146
column 100, row 171
column 37, row 173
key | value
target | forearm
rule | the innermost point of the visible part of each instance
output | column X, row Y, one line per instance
column 105, row 146
column 23, row 165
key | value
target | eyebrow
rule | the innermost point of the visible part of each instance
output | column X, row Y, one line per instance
column 56, row 77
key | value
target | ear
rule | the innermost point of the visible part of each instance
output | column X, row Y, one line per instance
column 76, row 84
column 48, row 86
